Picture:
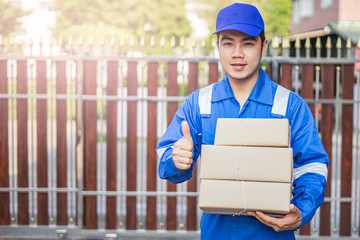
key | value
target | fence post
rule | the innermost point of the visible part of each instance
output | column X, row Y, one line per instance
column 286, row 75
column 42, row 159
column 90, row 144
column 307, row 92
column 22, row 127
column 328, row 81
column 172, row 90
column 131, row 146
column 192, row 183
column 61, row 152
column 151, row 146
column 270, row 70
column 213, row 72
column 111, row 144
column 4, row 147
column 346, row 147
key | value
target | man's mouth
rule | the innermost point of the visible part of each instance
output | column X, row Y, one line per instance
column 238, row 66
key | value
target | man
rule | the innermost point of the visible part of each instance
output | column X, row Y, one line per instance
column 246, row 92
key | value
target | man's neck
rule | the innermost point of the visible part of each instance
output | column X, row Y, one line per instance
column 243, row 87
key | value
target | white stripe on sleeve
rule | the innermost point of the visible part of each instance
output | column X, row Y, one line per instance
column 161, row 151
column 319, row 168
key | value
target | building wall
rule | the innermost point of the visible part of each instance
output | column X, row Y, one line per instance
column 349, row 10
column 320, row 18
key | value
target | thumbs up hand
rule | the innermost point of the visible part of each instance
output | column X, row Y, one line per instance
column 183, row 149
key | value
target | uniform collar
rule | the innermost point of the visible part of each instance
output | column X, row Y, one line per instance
column 222, row 90
column 261, row 93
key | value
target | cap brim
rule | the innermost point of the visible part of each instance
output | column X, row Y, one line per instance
column 245, row 28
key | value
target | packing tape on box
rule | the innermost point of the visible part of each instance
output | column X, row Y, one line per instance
column 238, row 171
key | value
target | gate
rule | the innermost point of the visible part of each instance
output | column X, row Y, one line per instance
column 78, row 136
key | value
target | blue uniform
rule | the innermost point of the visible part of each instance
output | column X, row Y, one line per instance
column 203, row 107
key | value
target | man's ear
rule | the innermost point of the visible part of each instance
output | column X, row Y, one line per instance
column 264, row 47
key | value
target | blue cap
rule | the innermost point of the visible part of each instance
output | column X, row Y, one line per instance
column 240, row 17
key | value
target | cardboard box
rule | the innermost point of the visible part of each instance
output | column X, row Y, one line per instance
column 227, row 197
column 253, row 132
column 246, row 163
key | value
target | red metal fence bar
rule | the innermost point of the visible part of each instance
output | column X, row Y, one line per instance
column 41, row 144
column 4, row 146
column 192, row 183
column 307, row 81
column 111, row 144
column 151, row 146
column 90, row 140
column 131, row 146
column 327, row 115
column 172, row 90
column 61, row 153
column 307, row 92
column 286, row 76
column 193, row 77
column 213, row 72
column 269, row 70
column 22, row 136
column 347, row 76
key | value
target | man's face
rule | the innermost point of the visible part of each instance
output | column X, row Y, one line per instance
column 240, row 54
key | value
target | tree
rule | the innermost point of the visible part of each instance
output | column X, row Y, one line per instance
column 9, row 18
column 121, row 18
column 277, row 17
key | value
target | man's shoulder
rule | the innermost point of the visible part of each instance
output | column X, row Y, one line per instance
column 213, row 85
column 206, row 90
column 292, row 94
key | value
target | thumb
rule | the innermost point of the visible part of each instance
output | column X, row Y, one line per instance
column 186, row 130
column 293, row 208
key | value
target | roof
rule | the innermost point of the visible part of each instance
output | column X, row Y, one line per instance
column 344, row 30
column 347, row 30
column 311, row 34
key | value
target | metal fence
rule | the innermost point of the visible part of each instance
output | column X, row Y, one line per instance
column 78, row 136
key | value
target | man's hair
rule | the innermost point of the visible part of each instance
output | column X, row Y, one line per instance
column 262, row 37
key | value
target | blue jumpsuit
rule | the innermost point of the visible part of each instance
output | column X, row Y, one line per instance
column 203, row 107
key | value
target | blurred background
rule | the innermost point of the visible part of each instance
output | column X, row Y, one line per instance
column 74, row 22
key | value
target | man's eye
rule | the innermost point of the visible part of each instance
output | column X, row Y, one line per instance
column 227, row 44
column 249, row 44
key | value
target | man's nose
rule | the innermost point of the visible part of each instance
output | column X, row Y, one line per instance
column 238, row 52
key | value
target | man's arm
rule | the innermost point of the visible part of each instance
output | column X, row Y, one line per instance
column 310, row 162
column 179, row 148
column 310, row 170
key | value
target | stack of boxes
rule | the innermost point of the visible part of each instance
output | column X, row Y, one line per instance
column 248, row 168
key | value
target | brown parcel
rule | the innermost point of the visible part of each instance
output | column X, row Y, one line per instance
column 253, row 132
column 255, row 163
column 226, row 197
